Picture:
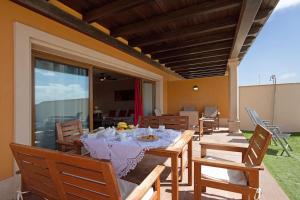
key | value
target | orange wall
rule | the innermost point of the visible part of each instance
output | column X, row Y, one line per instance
column 11, row 12
column 212, row 91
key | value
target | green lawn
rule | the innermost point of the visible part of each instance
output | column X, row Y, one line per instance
column 286, row 170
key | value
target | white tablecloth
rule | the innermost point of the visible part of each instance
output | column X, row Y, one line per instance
column 124, row 150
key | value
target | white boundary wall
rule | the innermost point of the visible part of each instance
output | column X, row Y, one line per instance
column 260, row 98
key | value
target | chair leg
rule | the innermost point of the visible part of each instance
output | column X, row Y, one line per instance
column 197, row 182
column 181, row 168
column 274, row 141
column 244, row 196
column 287, row 144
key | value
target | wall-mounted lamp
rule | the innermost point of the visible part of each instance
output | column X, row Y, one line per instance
column 195, row 88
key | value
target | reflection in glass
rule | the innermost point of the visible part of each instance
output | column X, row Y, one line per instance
column 61, row 94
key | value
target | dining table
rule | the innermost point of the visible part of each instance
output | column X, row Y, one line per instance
column 172, row 151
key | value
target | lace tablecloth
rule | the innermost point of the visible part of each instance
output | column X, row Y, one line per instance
column 124, row 150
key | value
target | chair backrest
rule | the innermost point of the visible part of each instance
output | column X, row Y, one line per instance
column 189, row 108
column 151, row 121
column 157, row 112
column 34, row 170
column 210, row 111
column 248, row 110
column 69, row 130
column 256, row 118
column 175, row 122
column 56, row 175
column 258, row 146
column 122, row 113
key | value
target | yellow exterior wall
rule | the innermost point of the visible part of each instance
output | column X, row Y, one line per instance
column 10, row 13
column 212, row 91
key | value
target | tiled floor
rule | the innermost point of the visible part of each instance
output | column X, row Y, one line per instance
column 270, row 188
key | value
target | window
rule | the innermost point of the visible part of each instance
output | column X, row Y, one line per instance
column 61, row 93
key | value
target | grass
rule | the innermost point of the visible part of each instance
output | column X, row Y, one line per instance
column 286, row 170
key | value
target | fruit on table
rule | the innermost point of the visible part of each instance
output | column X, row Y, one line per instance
column 122, row 126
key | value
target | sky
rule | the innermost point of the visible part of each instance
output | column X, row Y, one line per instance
column 52, row 85
column 276, row 50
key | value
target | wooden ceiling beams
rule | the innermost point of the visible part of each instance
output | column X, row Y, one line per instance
column 110, row 9
column 204, row 8
column 204, row 28
column 196, row 41
column 190, row 38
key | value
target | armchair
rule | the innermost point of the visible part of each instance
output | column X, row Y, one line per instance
column 211, row 113
column 231, row 176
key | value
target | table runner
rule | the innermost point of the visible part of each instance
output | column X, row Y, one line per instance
column 124, row 150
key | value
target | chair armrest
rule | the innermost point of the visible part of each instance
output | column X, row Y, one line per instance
column 226, row 164
column 142, row 189
column 65, row 143
column 222, row 147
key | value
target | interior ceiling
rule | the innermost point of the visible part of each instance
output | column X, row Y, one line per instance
column 193, row 38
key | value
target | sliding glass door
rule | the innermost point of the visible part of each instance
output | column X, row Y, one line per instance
column 148, row 98
column 61, row 93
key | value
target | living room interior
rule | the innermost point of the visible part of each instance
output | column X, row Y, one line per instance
column 114, row 98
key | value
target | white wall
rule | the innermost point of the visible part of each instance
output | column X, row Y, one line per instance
column 261, row 97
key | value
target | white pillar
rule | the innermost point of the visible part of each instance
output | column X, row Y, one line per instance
column 234, row 122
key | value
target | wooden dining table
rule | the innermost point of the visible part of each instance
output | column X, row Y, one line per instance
column 173, row 151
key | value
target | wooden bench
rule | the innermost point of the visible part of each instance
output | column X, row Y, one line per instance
column 57, row 175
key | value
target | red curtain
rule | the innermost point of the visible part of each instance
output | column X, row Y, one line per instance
column 138, row 103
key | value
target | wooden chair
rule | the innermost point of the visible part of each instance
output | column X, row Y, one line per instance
column 67, row 133
column 171, row 122
column 174, row 122
column 57, row 175
column 231, row 176
column 149, row 121
column 211, row 113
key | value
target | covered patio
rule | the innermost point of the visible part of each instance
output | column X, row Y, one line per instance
column 176, row 45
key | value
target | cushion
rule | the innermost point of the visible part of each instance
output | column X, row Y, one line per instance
column 127, row 187
column 222, row 174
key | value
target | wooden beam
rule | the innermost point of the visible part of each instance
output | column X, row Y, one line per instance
column 183, row 32
column 157, row 48
column 263, row 15
column 204, row 72
column 204, row 76
column 195, row 56
column 247, row 16
column 219, row 63
column 193, row 50
column 202, row 67
column 51, row 11
column 196, row 61
column 204, row 8
column 109, row 9
column 249, row 40
column 254, row 30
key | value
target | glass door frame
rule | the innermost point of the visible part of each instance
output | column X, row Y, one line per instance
column 153, row 92
column 58, row 59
